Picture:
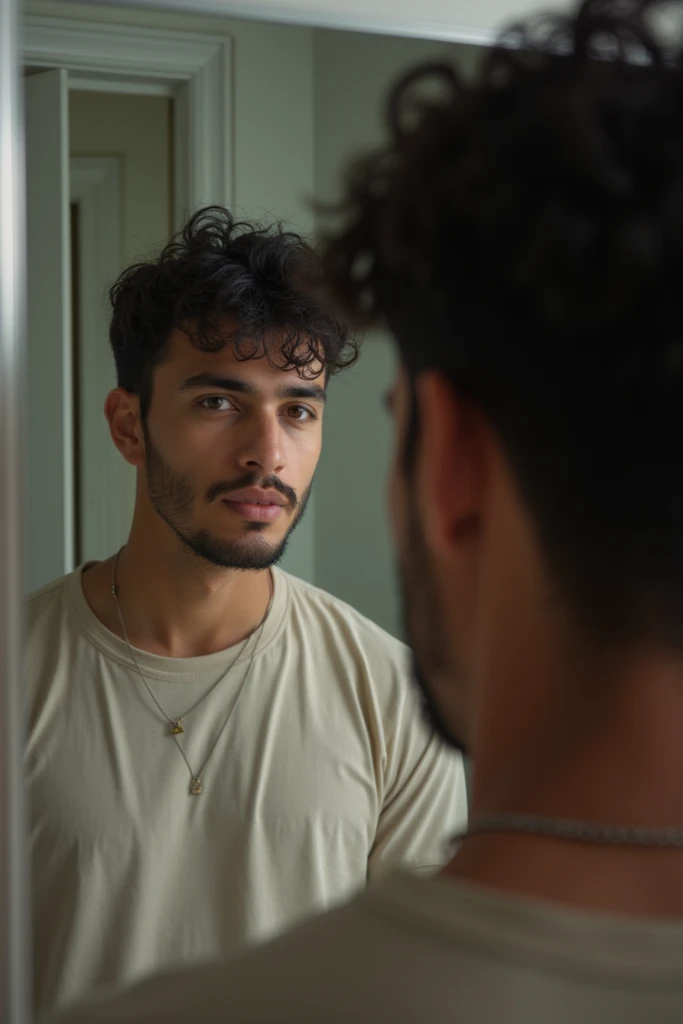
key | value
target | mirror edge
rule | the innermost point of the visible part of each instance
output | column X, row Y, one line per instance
column 15, row 1007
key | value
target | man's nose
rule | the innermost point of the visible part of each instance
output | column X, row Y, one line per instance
column 262, row 448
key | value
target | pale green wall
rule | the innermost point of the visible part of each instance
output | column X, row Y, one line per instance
column 353, row 549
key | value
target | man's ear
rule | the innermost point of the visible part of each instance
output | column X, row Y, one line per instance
column 448, row 464
column 122, row 409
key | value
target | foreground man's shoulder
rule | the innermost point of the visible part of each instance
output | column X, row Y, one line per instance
column 313, row 973
column 427, row 950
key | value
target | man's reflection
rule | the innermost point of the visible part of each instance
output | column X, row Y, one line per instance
column 216, row 748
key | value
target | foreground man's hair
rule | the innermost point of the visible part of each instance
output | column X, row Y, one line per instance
column 522, row 232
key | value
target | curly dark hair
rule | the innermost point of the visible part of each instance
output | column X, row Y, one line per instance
column 218, row 269
column 522, row 232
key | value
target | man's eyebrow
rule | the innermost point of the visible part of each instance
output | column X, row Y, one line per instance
column 312, row 391
column 213, row 380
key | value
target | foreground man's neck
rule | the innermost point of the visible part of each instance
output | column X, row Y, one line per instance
column 617, row 762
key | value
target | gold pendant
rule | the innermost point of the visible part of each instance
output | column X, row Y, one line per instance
column 196, row 789
column 178, row 728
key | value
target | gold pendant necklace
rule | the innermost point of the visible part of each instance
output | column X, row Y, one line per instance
column 196, row 778
column 177, row 725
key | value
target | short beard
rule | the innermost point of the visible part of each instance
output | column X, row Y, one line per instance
column 173, row 496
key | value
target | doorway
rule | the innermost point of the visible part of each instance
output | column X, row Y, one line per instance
column 91, row 204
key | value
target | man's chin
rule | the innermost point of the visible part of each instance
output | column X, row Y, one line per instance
column 250, row 552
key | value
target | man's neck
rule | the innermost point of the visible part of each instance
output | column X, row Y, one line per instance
column 645, row 883
column 173, row 603
column 613, row 759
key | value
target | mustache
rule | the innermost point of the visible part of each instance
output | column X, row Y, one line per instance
column 274, row 483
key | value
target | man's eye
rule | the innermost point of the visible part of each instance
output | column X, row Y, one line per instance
column 301, row 413
column 216, row 403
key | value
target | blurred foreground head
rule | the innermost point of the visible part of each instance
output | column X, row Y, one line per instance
column 521, row 236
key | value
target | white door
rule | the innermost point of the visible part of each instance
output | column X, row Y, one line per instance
column 48, row 534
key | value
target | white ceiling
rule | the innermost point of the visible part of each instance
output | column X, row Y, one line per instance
column 474, row 21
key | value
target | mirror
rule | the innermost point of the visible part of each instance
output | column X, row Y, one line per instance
column 135, row 119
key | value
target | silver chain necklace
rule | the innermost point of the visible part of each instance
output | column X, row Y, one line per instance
column 584, row 832
column 196, row 778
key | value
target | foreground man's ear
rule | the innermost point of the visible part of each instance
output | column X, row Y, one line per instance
column 449, row 463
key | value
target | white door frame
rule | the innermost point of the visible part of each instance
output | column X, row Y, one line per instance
column 194, row 69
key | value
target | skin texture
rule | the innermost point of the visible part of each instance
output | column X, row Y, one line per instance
column 215, row 423
column 555, row 726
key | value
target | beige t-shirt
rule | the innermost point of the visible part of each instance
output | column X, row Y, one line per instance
column 427, row 951
column 324, row 776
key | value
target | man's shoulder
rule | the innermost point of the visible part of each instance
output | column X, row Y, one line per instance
column 412, row 949
column 296, row 976
column 360, row 961
column 339, row 616
column 44, row 605
column 429, row 950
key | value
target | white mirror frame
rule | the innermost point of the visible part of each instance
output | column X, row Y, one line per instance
column 14, row 929
column 455, row 21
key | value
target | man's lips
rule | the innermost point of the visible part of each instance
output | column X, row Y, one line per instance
column 257, row 496
column 256, row 505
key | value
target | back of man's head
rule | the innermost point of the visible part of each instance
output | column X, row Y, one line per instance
column 522, row 233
